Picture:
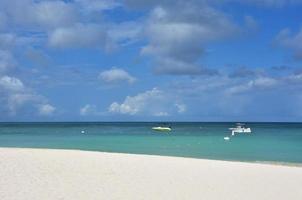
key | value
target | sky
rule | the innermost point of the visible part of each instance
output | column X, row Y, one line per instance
column 150, row 60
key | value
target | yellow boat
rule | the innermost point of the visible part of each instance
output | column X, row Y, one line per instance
column 160, row 128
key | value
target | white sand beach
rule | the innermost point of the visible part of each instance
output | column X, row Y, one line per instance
column 37, row 174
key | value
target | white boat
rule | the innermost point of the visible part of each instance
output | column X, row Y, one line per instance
column 161, row 128
column 240, row 129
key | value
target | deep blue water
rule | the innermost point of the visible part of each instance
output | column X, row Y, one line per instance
column 277, row 142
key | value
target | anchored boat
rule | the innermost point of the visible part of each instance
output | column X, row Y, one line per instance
column 240, row 128
column 161, row 128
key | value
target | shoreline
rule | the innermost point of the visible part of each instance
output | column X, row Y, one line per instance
column 274, row 163
column 75, row 174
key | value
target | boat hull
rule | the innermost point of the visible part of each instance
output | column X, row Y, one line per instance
column 161, row 128
column 240, row 130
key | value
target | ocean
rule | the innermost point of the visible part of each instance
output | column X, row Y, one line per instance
column 269, row 142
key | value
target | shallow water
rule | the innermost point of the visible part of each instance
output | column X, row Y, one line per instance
column 276, row 142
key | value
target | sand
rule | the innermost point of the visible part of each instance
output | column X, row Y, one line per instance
column 37, row 174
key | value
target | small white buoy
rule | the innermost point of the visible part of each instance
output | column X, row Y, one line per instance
column 226, row 138
column 82, row 131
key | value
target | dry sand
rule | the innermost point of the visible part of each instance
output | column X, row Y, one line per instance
column 40, row 174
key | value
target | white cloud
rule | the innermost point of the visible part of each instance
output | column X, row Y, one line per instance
column 181, row 108
column 7, row 40
column 239, row 88
column 95, row 35
column 11, row 83
column 18, row 100
column 152, row 102
column 244, row 72
column 125, row 33
column 53, row 13
column 116, row 75
column 80, row 35
column 258, row 83
column 42, row 14
column 265, row 82
column 97, row 5
column 155, row 102
column 273, row 3
column 15, row 96
column 294, row 78
column 287, row 39
column 177, row 35
column 65, row 24
column 46, row 109
column 265, row 3
column 88, row 109
column 100, row 36
column 68, row 24
column 221, row 97
column 7, row 61
column 161, row 114
column 178, row 67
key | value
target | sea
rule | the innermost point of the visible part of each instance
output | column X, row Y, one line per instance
column 268, row 142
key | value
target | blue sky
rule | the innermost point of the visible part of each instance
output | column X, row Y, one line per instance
column 134, row 60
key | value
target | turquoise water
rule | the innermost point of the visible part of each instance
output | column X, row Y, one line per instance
column 277, row 142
